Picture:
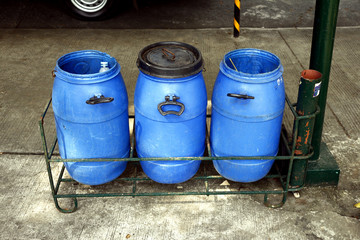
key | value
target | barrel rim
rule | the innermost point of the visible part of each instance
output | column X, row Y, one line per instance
column 85, row 78
column 171, row 73
column 170, row 80
column 248, row 77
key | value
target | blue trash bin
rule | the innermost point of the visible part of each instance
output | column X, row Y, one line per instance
column 247, row 108
column 170, row 110
column 91, row 115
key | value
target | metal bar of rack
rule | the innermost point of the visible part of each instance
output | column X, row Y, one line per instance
column 284, row 178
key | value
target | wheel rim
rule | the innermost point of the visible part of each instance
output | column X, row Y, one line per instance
column 89, row 6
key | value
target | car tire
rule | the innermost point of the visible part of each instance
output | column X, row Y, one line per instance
column 90, row 9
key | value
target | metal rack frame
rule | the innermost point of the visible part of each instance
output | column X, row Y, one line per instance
column 289, row 156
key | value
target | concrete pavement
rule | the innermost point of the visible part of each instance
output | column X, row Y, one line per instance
column 175, row 14
column 27, row 58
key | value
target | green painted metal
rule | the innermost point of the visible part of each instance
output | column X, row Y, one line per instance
column 288, row 156
column 324, row 171
column 307, row 104
column 326, row 12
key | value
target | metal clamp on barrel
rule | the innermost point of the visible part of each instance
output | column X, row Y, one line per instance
column 172, row 102
column 101, row 99
column 240, row 96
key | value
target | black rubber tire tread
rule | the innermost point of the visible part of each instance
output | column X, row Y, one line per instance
column 106, row 12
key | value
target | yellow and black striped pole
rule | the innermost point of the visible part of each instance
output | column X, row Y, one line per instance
column 236, row 18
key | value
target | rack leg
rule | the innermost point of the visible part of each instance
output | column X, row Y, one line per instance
column 276, row 205
column 206, row 181
column 66, row 210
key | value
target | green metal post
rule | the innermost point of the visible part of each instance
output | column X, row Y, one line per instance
column 307, row 101
column 321, row 55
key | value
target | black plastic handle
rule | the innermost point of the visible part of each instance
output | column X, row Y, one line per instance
column 101, row 99
column 171, row 102
column 240, row 96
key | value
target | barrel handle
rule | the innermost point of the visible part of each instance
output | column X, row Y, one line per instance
column 240, row 96
column 172, row 102
column 166, row 54
column 96, row 100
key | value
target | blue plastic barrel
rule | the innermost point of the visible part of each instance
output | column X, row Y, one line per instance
column 170, row 110
column 247, row 108
column 91, row 115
